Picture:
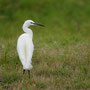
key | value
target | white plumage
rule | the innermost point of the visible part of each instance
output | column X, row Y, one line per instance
column 25, row 46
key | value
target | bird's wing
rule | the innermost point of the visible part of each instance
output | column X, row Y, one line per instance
column 21, row 54
column 25, row 51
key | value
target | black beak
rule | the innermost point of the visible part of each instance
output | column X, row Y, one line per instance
column 38, row 24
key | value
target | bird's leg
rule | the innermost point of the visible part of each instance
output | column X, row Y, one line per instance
column 29, row 73
column 23, row 71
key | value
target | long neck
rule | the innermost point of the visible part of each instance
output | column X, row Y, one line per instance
column 27, row 30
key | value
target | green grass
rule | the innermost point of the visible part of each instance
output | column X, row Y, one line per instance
column 61, row 59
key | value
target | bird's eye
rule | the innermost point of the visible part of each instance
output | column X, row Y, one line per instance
column 31, row 22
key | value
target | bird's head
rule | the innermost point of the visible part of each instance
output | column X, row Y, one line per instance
column 30, row 22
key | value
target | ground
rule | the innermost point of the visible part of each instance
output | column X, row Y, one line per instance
column 61, row 58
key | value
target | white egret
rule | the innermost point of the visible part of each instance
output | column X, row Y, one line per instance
column 25, row 46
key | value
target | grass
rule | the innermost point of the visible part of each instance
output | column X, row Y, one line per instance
column 61, row 59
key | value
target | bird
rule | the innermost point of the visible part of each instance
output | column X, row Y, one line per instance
column 25, row 46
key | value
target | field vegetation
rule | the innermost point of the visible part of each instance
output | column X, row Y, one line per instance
column 61, row 59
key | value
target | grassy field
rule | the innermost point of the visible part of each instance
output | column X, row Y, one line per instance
column 61, row 59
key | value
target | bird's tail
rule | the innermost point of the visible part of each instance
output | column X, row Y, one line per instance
column 27, row 63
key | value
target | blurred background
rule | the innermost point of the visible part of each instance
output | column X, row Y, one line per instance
column 62, row 48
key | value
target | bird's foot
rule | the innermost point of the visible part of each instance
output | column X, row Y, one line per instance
column 23, row 71
column 29, row 73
